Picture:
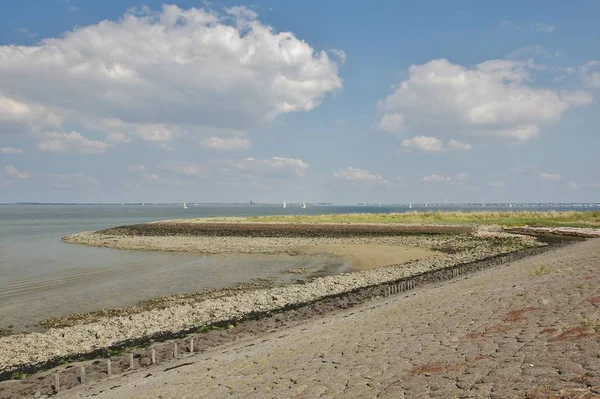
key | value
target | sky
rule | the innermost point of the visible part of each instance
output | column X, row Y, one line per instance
column 271, row 101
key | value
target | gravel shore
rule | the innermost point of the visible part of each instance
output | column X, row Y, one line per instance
column 20, row 350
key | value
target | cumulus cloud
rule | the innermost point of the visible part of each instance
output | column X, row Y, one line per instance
column 424, row 143
column 71, row 142
column 548, row 176
column 160, row 75
column 18, row 117
column 492, row 98
column 226, row 143
column 358, row 175
column 433, row 144
column 10, row 150
column 11, row 171
column 590, row 73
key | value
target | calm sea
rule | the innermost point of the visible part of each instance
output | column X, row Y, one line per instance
column 41, row 277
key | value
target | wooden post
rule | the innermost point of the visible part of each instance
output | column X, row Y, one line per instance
column 191, row 345
column 175, row 354
column 131, row 360
column 153, row 356
column 57, row 381
column 82, row 374
column 108, row 368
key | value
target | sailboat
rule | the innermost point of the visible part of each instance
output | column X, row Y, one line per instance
column 303, row 205
column 410, row 205
column 284, row 205
column 185, row 206
column 122, row 204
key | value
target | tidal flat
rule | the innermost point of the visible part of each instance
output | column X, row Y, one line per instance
column 440, row 247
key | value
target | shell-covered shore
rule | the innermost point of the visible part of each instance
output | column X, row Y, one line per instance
column 34, row 348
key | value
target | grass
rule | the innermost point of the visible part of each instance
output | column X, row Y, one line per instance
column 541, row 271
column 525, row 218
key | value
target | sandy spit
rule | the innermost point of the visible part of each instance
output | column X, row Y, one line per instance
column 34, row 348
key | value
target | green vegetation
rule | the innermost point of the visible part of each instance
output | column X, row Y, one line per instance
column 205, row 329
column 19, row 376
column 525, row 218
column 541, row 271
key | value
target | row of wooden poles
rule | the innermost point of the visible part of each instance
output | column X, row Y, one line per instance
column 389, row 290
column 81, row 369
column 409, row 285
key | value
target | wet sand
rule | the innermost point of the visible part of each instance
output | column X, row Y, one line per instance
column 371, row 256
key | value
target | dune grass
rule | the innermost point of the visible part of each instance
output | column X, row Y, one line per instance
column 525, row 218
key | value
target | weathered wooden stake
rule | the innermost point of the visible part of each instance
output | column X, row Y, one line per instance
column 57, row 381
column 191, row 345
column 109, row 368
column 131, row 361
column 175, row 354
column 82, row 374
column 153, row 356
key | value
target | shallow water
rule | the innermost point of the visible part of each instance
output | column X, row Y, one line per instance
column 42, row 277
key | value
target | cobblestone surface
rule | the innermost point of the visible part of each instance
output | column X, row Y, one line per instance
column 527, row 329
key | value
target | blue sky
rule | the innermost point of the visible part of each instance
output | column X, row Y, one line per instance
column 345, row 102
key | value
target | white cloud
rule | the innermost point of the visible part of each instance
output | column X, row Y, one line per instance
column 497, row 183
column 11, row 171
column 71, row 142
column 548, row 176
column 158, row 132
column 590, row 73
column 10, row 150
column 358, row 175
column 433, row 144
column 18, row 117
column 226, row 143
column 159, row 75
column 459, row 145
column 424, row 143
column 341, row 54
column 490, row 99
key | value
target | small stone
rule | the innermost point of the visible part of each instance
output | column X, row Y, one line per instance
column 145, row 361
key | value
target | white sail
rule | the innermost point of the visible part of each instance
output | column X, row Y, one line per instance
column 284, row 205
column 303, row 205
column 185, row 206
column 410, row 205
